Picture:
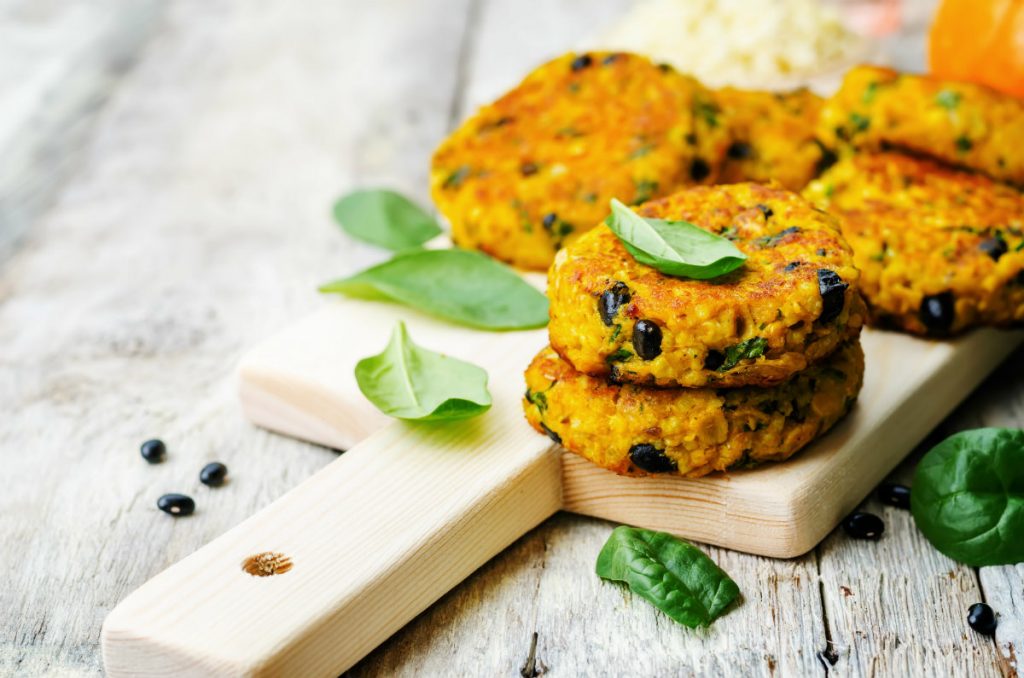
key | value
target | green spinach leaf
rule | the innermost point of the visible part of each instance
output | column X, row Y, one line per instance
column 676, row 248
column 968, row 496
column 458, row 285
column 410, row 382
column 385, row 218
column 674, row 575
column 748, row 349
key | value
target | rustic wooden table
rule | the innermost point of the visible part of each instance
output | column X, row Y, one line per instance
column 196, row 221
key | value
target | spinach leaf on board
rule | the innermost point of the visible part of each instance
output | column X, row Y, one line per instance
column 410, row 382
column 968, row 496
column 676, row 248
column 385, row 218
column 458, row 285
column 672, row 574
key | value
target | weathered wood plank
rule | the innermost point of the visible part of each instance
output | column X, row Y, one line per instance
column 1000, row 402
column 198, row 223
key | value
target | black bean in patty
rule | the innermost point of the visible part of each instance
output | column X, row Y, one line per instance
column 647, row 339
column 699, row 169
column 833, row 294
column 713, row 360
column 649, row 458
column 937, row 311
column 739, row 150
column 994, row 247
column 610, row 302
column 581, row 62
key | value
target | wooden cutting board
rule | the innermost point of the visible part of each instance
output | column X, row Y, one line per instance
column 410, row 509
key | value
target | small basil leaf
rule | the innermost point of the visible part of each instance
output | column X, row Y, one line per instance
column 465, row 287
column 968, row 496
column 674, row 575
column 386, row 219
column 676, row 248
column 410, row 382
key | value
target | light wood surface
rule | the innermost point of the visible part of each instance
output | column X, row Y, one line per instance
column 300, row 382
column 197, row 224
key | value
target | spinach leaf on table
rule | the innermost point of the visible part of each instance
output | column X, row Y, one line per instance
column 385, row 218
column 458, row 285
column 410, row 382
column 968, row 496
column 672, row 574
column 676, row 248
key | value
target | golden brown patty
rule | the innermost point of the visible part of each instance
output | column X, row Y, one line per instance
column 634, row 430
column 939, row 249
column 772, row 136
column 793, row 302
column 962, row 124
column 538, row 167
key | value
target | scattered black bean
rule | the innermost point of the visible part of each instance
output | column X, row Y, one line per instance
column 153, row 451
column 699, row 169
column 739, row 150
column 994, row 247
column 649, row 458
column 647, row 339
column 176, row 505
column 610, row 302
column 581, row 62
column 937, row 311
column 894, row 494
column 213, row 474
column 982, row 619
column 768, row 212
column 861, row 525
column 827, row 159
column 528, row 169
column 713, row 360
column 833, row 294
column 551, row 434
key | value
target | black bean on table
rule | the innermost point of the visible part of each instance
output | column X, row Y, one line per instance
column 833, row 294
column 213, row 474
column 982, row 619
column 863, row 525
column 894, row 494
column 649, row 458
column 176, row 505
column 153, row 451
column 937, row 312
column 610, row 302
column 647, row 339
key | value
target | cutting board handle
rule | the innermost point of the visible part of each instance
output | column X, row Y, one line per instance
column 316, row 580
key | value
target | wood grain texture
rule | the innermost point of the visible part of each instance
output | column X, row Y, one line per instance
column 374, row 539
column 198, row 224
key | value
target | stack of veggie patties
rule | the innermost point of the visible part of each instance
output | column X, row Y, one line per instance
column 928, row 194
column 652, row 373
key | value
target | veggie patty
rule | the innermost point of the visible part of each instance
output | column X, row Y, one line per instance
column 791, row 304
column 940, row 250
column 633, row 430
column 532, row 171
